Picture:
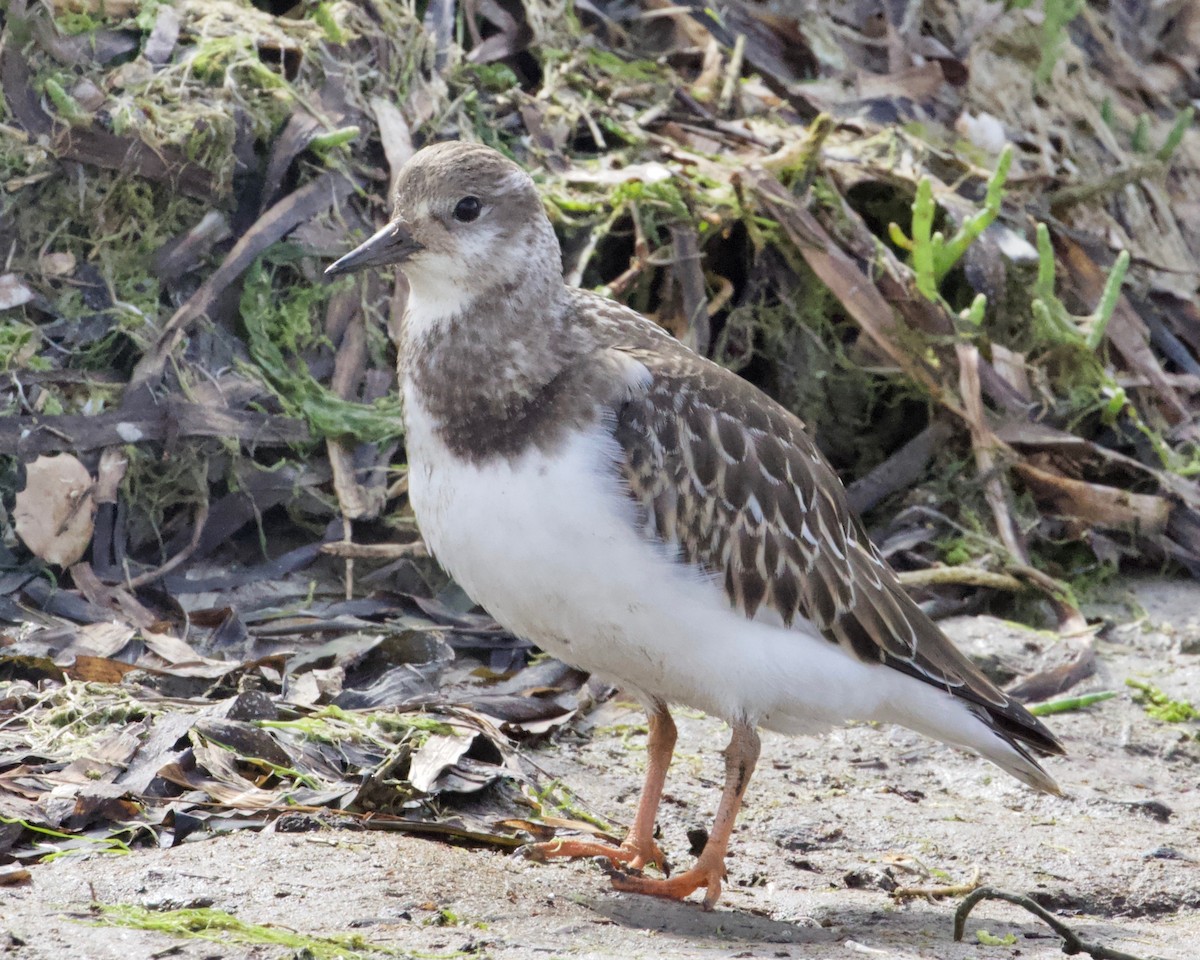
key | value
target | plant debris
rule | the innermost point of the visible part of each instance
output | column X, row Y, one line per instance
column 217, row 926
column 109, row 734
column 1072, row 943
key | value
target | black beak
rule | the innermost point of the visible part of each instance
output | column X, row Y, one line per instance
column 393, row 244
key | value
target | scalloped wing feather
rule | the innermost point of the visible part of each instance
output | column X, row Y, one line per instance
column 734, row 481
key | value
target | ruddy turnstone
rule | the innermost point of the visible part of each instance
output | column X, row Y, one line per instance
column 645, row 514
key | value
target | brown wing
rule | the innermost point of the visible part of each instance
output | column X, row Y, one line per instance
column 732, row 478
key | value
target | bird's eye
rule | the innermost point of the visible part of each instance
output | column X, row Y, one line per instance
column 468, row 209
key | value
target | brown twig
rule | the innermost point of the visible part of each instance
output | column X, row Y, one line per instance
column 936, row 893
column 640, row 259
column 902, row 469
column 1072, row 944
column 374, row 551
column 146, row 419
column 1071, row 621
column 733, row 75
column 132, row 583
column 963, row 575
column 1076, row 193
column 985, row 444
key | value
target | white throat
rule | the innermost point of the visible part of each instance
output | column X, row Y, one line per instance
column 432, row 302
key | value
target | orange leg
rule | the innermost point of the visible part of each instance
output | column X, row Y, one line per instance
column 638, row 849
column 740, row 757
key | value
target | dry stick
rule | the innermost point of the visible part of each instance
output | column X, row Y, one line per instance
column 901, row 470
column 1075, row 193
column 296, row 208
column 375, row 551
column 640, row 259
column 733, row 75
column 686, row 267
column 723, row 295
column 348, row 561
column 1070, row 621
column 935, row 893
column 154, row 420
column 353, row 500
column 962, row 575
column 132, row 583
column 637, row 266
column 984, row 444
column 1072, row 944
column 120, row 601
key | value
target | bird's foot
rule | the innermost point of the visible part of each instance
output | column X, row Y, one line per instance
column 631, row 855
column 707, row 875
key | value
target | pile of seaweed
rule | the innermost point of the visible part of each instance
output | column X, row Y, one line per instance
column 961, row 241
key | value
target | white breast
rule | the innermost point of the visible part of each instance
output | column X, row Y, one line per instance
column 551, row 547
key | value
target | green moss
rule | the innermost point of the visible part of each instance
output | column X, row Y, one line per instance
column 618, row 132
column 323, row 15
column 77, row 22
column 612, row 65
column 278, row 318
column 18, row 346
column 663, row 201
column 955, row 552
column 492, row 77
column 216, row 60
column 156, row 488
column 147, row 14
column 217, row 926
column 333, row 725
column 115, row 223
column 1160, row 706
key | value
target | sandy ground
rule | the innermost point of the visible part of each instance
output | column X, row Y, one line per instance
column 831, row 825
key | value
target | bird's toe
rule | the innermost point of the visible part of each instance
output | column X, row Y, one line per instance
column 678, row 887
column 574, row 849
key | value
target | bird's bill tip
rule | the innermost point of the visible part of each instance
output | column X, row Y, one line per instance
column 392, row 244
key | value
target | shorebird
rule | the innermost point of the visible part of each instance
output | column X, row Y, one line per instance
column 645, row 514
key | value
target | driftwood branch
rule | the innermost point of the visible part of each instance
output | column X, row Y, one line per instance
column 28, row 437
column 1072, row 943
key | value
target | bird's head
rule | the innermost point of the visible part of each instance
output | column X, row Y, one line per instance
column 465, row 218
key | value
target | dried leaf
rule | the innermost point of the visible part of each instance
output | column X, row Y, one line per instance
column 1093, row 503
column 436, row 755
column 13, row 293
column 57, row 264
column 98, row 669
column 55, row 513
column 395, row 136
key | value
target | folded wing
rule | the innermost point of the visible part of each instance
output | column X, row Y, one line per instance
column 732, row 480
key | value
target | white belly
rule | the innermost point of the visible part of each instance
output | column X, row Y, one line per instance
column 551, row 548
